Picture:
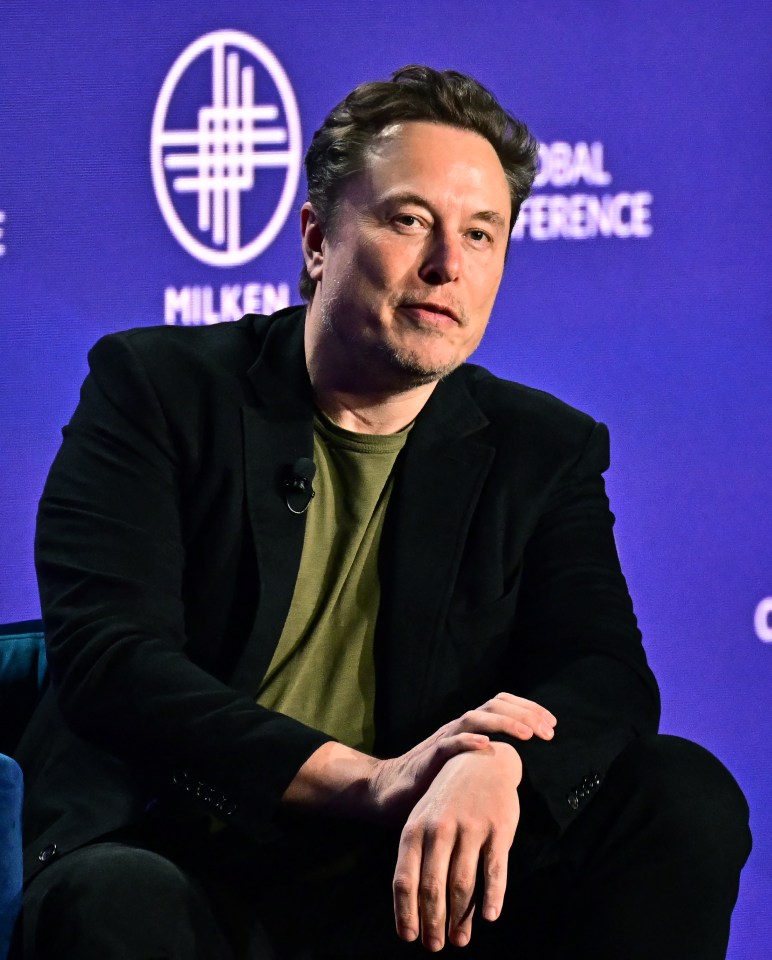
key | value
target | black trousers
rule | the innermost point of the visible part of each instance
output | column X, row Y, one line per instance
column 648, row 871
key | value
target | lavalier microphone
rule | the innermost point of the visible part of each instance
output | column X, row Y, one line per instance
column 298, row 491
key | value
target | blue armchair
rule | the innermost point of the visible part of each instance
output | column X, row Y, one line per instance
column 22, row 676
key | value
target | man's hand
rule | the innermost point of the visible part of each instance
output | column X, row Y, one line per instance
column 398, row 783
column 469, row 812
column 341, row 780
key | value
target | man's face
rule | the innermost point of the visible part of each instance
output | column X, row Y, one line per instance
column 408, row 272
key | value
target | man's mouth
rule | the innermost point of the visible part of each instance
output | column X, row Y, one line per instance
column 436, row 309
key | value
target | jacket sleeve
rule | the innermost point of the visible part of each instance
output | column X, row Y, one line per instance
column 579, row 649
column 110, row 557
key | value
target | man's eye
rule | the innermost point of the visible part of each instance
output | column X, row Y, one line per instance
column 479, row 236
column 407, row 220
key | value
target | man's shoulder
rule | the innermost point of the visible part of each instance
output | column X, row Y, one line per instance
column 186, row 359
column 508, row 404
column 521, row 418
column 234, row 344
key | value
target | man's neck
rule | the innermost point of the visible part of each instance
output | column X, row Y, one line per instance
column 358, row 398
column 374, row 413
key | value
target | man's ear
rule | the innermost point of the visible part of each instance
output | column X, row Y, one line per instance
column 312, row 232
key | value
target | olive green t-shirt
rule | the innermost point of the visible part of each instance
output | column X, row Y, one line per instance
column 322, row 671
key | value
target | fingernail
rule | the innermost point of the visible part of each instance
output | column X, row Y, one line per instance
column 434, row 945
column 546, row 730
column 490, row 913
column 461, row 939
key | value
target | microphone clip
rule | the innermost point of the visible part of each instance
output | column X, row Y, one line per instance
column 298, row 491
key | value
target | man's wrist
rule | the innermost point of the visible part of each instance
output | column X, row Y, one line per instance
column 506, row 751
column 335, row 779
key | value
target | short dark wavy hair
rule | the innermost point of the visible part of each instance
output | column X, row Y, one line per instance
column 420, row 93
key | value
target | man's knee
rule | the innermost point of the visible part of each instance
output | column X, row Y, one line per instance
column 107, row 874
column 111, row 894
column 690, row 795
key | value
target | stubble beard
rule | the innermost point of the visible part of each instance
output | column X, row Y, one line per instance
column 409, row 368
column 397, row 368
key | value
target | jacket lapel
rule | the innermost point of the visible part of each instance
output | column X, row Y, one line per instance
column 443, row 469
column 276, row 431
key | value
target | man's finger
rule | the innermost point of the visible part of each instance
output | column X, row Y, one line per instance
column 488, row 722
column 460, row 743
column 510, row 698
column 526, row 711
column 495, row 857
column 405, row 885
column 439, row 842
column 461, row 884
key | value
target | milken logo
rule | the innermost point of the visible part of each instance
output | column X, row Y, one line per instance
column 226, row 168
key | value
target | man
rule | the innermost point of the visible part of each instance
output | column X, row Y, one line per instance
column 230, row 655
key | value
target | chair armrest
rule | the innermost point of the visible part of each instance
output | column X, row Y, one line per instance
column 11, row 791
column 22, row 677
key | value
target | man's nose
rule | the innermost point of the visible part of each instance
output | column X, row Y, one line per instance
column 442, row 262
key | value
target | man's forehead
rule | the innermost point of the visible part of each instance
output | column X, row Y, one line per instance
column 403, row 132
column 434, row 150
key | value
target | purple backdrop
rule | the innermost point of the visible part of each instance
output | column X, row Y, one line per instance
column 638, row 286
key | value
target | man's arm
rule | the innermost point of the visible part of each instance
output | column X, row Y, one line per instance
column 579, row 647
column 111, row 557
column 342, row 781
column 575, row 648
column 112, row 544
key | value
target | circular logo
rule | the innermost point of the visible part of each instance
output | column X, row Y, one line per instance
column 225, row 149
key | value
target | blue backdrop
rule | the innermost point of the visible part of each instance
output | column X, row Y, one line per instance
column 148, row 174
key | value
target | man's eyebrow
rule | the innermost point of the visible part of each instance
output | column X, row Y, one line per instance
column 405, row 197
column 488, row 216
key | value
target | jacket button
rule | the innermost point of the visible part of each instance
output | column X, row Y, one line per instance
column 47, row 853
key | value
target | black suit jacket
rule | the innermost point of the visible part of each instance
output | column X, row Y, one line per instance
column 167, row 558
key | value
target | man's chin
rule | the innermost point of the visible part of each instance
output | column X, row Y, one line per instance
column 412, row 369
